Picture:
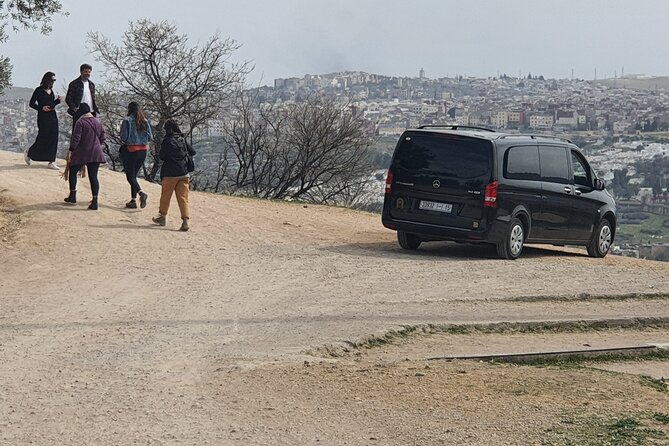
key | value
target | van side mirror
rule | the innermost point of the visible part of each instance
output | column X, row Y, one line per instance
column 600, row 184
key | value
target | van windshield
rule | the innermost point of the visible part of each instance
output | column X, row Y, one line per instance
column 445, row 156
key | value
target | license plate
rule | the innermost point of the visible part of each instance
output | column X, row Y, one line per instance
column 435, row 206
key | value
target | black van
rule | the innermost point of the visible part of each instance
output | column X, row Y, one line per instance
column 471, row 184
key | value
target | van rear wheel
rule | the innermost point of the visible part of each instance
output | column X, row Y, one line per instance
column 407, row 240
column 512, row 245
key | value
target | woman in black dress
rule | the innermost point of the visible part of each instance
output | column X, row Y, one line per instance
column 46, row 143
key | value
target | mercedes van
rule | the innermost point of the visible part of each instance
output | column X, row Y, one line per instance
column 470, row 184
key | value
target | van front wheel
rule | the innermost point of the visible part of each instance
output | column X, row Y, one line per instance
column 601, row 240
column 408, row 241
column 512, row 245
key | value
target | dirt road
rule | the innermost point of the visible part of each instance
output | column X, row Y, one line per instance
column 116, row 331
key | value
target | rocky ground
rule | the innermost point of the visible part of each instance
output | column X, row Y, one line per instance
column 284, row 323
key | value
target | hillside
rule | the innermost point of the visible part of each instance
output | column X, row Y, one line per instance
column 115, row 331
column 17, row 93
column 638, row 83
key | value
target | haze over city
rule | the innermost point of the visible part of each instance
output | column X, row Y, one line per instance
column 447, row 38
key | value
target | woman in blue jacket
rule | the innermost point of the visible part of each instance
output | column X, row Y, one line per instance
column 136, row 134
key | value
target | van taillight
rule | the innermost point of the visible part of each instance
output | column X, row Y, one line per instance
column 389, row 181
column 490, row 199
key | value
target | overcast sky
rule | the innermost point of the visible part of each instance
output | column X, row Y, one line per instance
column 290, row 38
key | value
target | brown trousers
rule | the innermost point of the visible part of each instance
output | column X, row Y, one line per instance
column 178, row 186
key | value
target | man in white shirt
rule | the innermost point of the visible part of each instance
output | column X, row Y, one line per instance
column 81, row 90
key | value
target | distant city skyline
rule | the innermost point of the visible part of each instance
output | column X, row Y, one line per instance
column 292, row 38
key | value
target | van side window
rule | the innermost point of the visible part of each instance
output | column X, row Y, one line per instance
column 581, row 172
column 522, row 163
column 554, row 164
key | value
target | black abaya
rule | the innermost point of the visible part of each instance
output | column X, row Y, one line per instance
column 46, row 143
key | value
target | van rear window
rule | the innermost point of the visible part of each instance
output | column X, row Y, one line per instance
column 445, row 156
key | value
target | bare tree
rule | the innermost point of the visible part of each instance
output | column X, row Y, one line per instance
column 331, row 147
column 24, row 14
column 255, row 137
column 212, row 178
column 114, row 112
column 155, row 66
column 316, row 151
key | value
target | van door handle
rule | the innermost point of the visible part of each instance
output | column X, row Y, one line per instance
column 576, row 191
column 567, row 189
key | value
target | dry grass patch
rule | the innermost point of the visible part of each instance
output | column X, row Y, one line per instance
column 10, row 219
column 459, row 402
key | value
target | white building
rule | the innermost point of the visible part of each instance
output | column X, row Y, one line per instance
column 541, row 121
column 621, row 126
column 500, row 119
column 214, row 127
column 424, row 109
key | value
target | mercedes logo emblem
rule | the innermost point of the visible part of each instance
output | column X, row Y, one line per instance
column 436, row 184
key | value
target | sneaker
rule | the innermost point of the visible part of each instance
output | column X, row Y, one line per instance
column 26, row 158
column 132, row 204
column 184, row 225
column 52, row 166
column 159, row 220
column 143, row 196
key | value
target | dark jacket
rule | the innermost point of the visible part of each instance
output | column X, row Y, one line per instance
column 40, row 98
column 173, row 154
column 86, row 142
column 75, row 92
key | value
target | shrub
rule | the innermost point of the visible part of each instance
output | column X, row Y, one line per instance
column 636, row 215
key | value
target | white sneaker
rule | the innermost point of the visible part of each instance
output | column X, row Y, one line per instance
column 52, row 166
column 26, row 158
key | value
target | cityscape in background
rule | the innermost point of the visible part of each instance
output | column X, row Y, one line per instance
column 618, row 122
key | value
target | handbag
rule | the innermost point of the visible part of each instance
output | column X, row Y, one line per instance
column 123, row 152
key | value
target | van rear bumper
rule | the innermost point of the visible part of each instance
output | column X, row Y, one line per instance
column 492, row 233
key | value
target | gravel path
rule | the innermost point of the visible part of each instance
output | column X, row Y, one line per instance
column 115, row 331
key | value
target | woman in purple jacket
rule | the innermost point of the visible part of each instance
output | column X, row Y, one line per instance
column 86, row 149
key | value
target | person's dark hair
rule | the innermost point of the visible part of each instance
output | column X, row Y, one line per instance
column 140, row 118
column 85, row 66
column 83, row 109
column 172, row 127
column 47, row 80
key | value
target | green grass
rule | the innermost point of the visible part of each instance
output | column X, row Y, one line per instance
column 636, row 233
column 661, row 417
column 589, row 297
column 658, row 384
column 577, row 361
column 625, row 430
column 413, row 331
column 506, row 328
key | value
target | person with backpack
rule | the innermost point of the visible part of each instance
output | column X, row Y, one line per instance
column 177, row 156
column 135, row 134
